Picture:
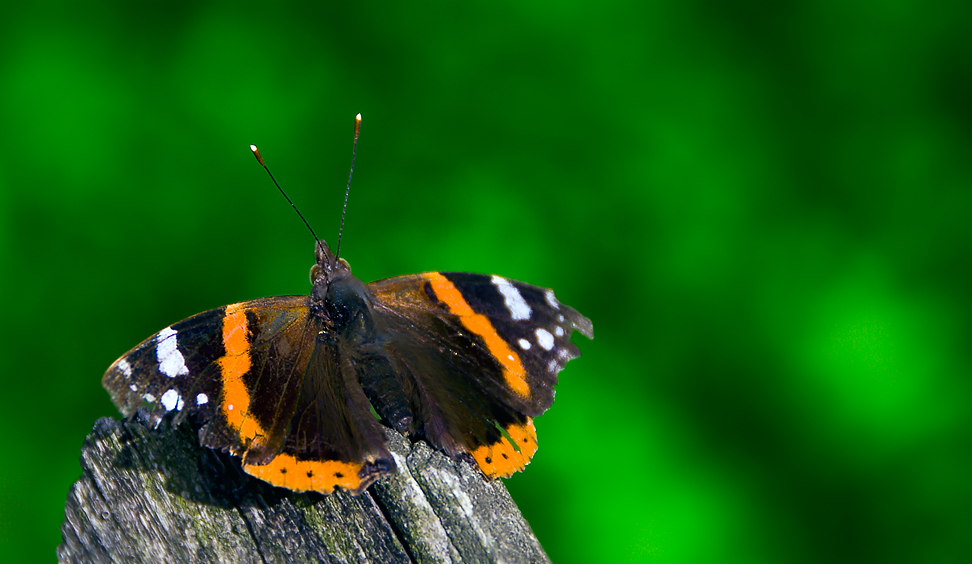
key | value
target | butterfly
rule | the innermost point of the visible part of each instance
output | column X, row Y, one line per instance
column 294, row 386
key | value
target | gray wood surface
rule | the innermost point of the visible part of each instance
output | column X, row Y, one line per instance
column 155, row 496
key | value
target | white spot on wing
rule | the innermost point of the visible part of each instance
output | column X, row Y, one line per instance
column 171, row 361
column 202, row 399
column 150, row 398
column 133, row 388
column 560, row 318
column 511, row 297
column 559, row 331
column 229, row 407
column 170, row 400
column 552, row 365
column 544, row 338
column 509, row 356
column 125, row 368
column 524, row 344
column 552, row 300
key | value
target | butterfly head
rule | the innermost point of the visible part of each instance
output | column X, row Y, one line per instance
column 327, row 267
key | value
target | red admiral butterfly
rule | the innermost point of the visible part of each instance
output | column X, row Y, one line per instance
column 291, row 384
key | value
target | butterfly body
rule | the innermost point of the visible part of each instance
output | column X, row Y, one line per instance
column 289, row 383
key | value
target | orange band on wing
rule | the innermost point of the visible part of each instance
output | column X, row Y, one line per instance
column 233, row 365
column 513, row 371
column 285, row 471
column 501, row 459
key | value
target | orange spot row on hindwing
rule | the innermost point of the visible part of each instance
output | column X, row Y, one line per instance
column 501, row 458
column 307, row 475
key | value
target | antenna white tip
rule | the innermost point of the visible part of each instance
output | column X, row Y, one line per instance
column 256, row 153
column 357, row 117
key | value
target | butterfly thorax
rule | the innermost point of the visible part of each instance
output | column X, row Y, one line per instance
column 350, row 328
column 344, row 305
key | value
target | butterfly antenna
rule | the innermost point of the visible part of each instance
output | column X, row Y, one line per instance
column 256, row 153
column 354, row 150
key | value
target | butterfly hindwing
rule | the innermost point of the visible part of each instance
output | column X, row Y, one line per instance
column 334, row 440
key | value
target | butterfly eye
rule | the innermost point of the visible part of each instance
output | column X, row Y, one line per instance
column 315, row 272
column 345, row 264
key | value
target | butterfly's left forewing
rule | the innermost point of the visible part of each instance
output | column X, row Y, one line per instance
column 210, row 366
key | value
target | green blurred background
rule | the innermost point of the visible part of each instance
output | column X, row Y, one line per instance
column 763, row 207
